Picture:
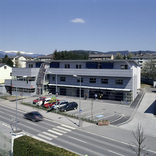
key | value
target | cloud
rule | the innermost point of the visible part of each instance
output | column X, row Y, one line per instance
column 78, row 20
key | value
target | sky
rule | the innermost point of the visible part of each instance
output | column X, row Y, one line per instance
column 43, row 26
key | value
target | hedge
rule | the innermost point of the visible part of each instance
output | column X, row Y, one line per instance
column 27, row 146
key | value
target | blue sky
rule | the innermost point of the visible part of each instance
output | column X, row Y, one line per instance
column 41, row 26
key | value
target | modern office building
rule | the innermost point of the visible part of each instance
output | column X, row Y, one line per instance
column 110, row 79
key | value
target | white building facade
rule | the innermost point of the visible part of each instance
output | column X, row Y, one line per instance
column 117, row 80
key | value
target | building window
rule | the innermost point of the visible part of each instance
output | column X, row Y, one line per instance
column 124, row 66
column 99, row 65
column 62, row 78
column 30, row 65
column 105, row 81
column 11, row 74
column 78, row 80
column 119, row 81
column 78, row 66
column 5, row 67
column 92, row 80
column 67, row 65
column 53, row 78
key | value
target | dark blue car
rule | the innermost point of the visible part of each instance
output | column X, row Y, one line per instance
column 33, row 116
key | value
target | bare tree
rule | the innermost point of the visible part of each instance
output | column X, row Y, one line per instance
column 138, row 146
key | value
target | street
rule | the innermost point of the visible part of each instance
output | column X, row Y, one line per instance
column 70, row 137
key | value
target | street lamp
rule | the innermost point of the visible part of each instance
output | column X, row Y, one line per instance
column 16, row 100
column 79, row 100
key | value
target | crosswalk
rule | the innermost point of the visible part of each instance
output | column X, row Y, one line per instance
column 53, row 133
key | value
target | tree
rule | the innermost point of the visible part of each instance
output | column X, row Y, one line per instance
column 149, row 70
column 70, row 55
column 138, row 146
column 129, row 55
column 18, row 53
column 118, row 56
column 7, row 61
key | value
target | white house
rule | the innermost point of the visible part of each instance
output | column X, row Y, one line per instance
column 18, row 61
column 5, row 72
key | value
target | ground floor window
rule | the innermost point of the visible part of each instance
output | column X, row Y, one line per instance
column 22, row 90
column 101, row 94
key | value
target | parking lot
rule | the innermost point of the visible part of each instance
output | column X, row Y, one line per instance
column 94, row 109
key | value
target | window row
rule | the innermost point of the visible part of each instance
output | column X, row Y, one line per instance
column 89, row 65
column 24, row 90
column 92, row 80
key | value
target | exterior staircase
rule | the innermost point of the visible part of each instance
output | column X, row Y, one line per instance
column 41, row 79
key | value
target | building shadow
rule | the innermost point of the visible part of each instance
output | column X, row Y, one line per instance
column 152, row 108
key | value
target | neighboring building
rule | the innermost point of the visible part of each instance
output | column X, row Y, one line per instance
column 6, row 72
column 101, row 57
column 18, row 61
column 141, row 59
column 45, row 57
column 111, row 80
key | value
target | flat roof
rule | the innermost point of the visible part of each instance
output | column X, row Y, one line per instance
column 49, row 61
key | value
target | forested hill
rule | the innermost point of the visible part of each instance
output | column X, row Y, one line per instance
column 71, row 55
column 84, row 54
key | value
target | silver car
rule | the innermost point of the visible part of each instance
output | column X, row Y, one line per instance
column 60, row 104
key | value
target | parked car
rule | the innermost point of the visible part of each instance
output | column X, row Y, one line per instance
column 50, row 104
column 69, row 106
column 34, row 116
column 60, row 104
column 39, row 101
column 47, row 100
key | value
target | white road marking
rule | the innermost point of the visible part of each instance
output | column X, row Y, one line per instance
column 38, row 138
column 54, row 136
column 55, row 132
column 5, row 125
column 115, row 153
column 59, row 130
column 45, row 137
column 67, row 126
column 63, row 128
column 77, row 139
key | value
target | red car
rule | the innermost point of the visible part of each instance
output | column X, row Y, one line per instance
column 39, row 100
column 49, row 104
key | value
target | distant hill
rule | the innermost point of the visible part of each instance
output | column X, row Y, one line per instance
column 14, row 53
column 133, row 52
column 109, row 52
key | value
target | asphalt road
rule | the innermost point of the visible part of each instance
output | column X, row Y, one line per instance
column 69, row 137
